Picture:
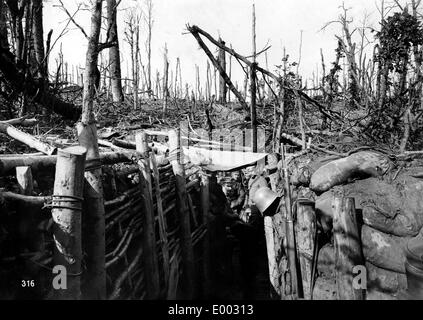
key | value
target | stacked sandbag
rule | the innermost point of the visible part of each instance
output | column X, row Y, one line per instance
column 340, row 171
column 389, row 207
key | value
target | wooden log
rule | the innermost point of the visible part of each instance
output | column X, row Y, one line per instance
column 33, row 201
column 222, row 83
column 149, row 238
column 94, row 215
column 26, row 138
column 271, row 254
column 23, row 121
column 253, row 111
column 24, row 178
column 183, row 211
column 37, row 163
column 162, row 220
column 290, row 232
column 66, row 213
column 347, row 246
column 306, row 231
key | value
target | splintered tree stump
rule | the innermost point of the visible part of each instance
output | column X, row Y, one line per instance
column 149, row 238
column 347, row 246
column 306, row 230
column 66, row 213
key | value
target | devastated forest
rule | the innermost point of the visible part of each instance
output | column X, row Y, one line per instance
column 128, row 177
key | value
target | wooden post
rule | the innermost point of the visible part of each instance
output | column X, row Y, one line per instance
column 24, row 178
column 149, row 238
column 271, row 254
column 205, row 204
column 94, row 215
column 253, row 106
column 347, row 245
column 222, row 83
column 290, row 232
column 162, row 220
column 66, row 213
column 184, row 221
column 306, row 231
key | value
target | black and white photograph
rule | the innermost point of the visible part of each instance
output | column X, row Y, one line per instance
column 213, row 155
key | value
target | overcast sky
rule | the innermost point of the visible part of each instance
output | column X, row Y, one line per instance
column 279, row 22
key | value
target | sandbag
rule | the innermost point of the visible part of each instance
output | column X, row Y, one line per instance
column 324, row 288
column 302, row 168
column 326, row 261
column 391, row 207
column 383, row 280
column 337, row 172
column 378, row 295
column 383, row 250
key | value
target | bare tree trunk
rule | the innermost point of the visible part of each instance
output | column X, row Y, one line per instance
column 222, row 83
column 4, row 42
column 150, row 28
column 165, row 80
column 94, row 231
column 114, row 56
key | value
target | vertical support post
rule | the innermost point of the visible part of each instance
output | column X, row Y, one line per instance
column 290, row 232
column 66, row 213
column 183, row 210
column 222, row 83
column 149, row 237
column 253, row 106
column 94, row 216
column 271, row 254
column 205, row 205
column 24, row 178
column 162, row 220
column 306, row 231
column 347, row 245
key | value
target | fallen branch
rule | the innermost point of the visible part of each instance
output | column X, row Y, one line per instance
column 299, row 143
column 23, row 121
column 38, row 202
column 26, row 138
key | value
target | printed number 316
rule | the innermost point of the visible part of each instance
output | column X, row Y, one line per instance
column 28, row 283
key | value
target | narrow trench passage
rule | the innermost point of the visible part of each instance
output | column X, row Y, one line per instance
column 239, row 245
column 243, row 278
